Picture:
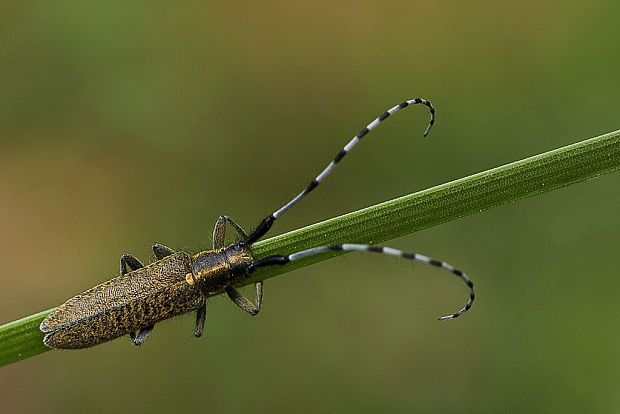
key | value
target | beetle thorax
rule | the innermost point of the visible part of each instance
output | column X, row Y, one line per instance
column 214, row 270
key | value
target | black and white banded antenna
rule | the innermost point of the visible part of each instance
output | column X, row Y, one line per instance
column 279, row 259
column 268, row 221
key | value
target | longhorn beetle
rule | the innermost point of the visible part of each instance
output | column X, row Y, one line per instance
column 177, row 282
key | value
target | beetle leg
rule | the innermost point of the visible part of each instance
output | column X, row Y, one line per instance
column 161, row 251
column 245, row 303
column 130, row 261
column 219, row 232
column 201, row 315
column 142, row 335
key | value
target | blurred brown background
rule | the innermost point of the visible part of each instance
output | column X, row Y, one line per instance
column 128, row 123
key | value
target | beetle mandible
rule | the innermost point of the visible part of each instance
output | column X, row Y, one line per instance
column 177, row 282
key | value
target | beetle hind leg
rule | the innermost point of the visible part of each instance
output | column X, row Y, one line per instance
column 129, row 261
column 141, row 336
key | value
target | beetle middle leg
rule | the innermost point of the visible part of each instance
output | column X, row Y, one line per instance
column 142, row 335
column 219, row 232
column 162, row 251
column 201, row 315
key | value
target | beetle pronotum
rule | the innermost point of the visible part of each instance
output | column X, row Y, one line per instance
column 177, row 282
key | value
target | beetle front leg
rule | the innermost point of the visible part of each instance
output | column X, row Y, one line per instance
column 130, row 261
column 219, row 232
column 243, row 302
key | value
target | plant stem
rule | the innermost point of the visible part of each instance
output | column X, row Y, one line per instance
column 473, row 194
column 531, row 176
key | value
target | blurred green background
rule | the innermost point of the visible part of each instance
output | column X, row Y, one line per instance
column 128, row 123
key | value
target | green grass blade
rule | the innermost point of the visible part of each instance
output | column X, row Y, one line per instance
column 395, row 218
column 22, row 338
column 525, row 178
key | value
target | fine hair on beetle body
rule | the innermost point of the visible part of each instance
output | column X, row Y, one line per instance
column 178, row 282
